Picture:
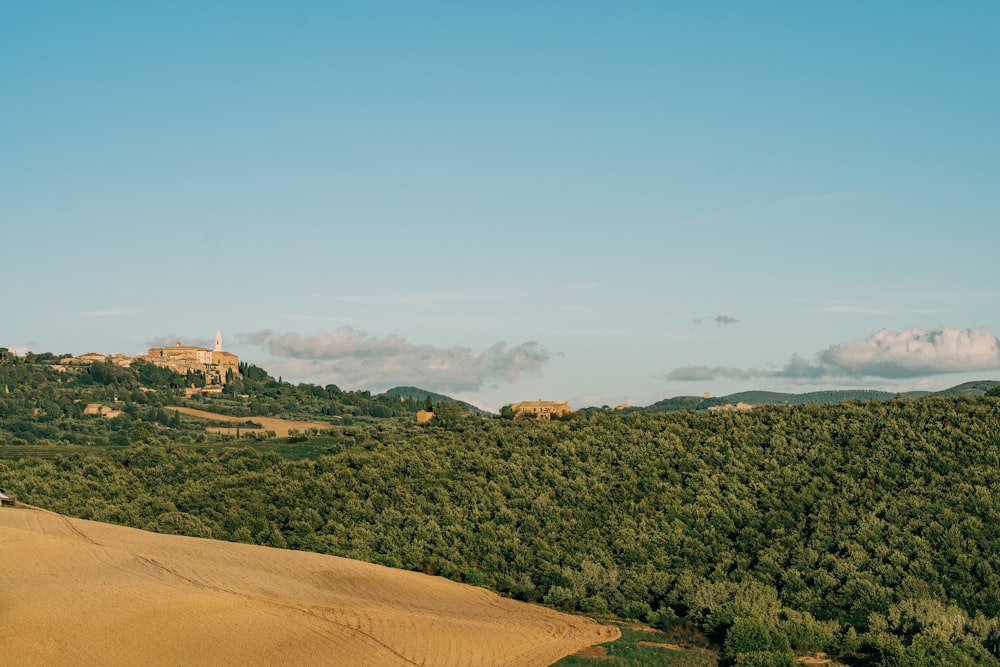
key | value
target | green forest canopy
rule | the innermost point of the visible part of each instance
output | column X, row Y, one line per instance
column 864, row 529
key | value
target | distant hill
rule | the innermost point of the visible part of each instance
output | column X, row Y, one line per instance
column 421, row 394
column 975, row 388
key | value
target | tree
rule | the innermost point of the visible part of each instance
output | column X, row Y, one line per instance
column 141, row 432
column 447, row 414
column 754, row 644
column 747, row 636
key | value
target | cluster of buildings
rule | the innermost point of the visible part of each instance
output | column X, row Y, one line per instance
column 218, row 366
column 102, row 411
column 540, row 409
column 739, row 407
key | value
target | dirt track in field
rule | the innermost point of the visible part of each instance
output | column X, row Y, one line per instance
column 279, row 426
column 78, row 592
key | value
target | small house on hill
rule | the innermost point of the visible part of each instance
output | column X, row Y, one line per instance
column 540, row 409
column 6, row 499
column 102, row 410
column 740, row 407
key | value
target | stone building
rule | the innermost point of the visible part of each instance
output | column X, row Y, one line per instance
column 740, row 407
column 217, row 365
column 101, row 410
column 540, row 409
column 89, row 358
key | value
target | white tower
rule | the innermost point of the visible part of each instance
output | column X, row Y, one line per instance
column 218, row 341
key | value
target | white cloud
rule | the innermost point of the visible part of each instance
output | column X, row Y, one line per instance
column 885, row 354
column 254, row 337
column 916, row 353
column 355, row 359
column 343, row 343
column 703, row 373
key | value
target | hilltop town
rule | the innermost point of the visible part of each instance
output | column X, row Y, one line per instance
column 217, row 366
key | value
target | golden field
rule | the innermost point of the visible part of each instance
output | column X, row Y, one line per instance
column 279, row 426
column 77, row 592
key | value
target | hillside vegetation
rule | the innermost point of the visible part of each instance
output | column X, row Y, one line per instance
column 42, row 401
column 976, row 388
column 863, row 529
column 424, row 397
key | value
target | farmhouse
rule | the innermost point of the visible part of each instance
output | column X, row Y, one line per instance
column 102, row 410
column 89, row 358
column 6, row 499
column 117, row 359
column 740, row 407
column 540, row 409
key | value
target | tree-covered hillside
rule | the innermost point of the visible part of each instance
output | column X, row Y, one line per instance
column 976, row 388
column 42, row 400
column 424, row 397
column 866, row 530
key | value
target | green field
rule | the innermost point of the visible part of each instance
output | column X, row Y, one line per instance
column 642, row 647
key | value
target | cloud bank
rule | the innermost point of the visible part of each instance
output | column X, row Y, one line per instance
column 885, row 354
column 355, row 359
column 702, row 373
column 914, row 353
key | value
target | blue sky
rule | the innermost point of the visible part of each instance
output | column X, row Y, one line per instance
column 586, row 201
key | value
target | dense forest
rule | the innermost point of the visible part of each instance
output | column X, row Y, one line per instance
column 868, row 530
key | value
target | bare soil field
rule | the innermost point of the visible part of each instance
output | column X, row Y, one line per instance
column 77, row 592
column 279, row 426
